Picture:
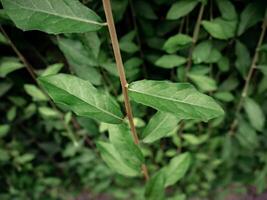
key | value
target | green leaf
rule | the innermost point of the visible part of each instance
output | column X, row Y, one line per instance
column 35, row 93
column 82, row 98
column 113, row 159
column 195, row 140
column 177, row 168
column 181, row 99
column 243, row 59
column 204, row 83
column 251, row 15
column 204, row 52
column 61, row 16
column 170, row 61
column 9, row 65
column 52, row 69
column 177, row 42
column 120, row 137
column 247, row 136
column 4, row 129
column 255, row 114
column 47, row 112
column 129, row 47
column 155, row 187
column 181, row 8
column 227, row 9
column 224, row 96
column 224, row 64
column 220, row 28
column 145, row 10
column 160, row 125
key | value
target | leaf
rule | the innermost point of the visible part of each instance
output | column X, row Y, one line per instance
column 47, row 112
column 155, row 187
column 113, row 159
column 129, row 47
column 195, row 140
column 52, row 16
column 35, row 93
column 204, row 83
column 227, row 9
column 177, row 42
column 170, row 61
column 120, row 137
column 52, row 69
column 255, row 114
column 9, row 65
column 160, row 125
column 220, row 28
column 92, row 42
column 181, row 8
column 145, row 10
column 177, row 168
column 4, row 129
column 243, row 59
column 204, row 52
column 251, row 15
column 224, row 96
column 224, row 64
column 181, row 99
column 82, row 98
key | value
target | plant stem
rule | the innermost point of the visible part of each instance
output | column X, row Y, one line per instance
column 248, row 78
column 195, row 38
column 120, row 68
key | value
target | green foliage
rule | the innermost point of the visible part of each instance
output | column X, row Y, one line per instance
column 197, row 82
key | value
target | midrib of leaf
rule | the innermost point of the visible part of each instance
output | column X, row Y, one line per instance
column 166, row 98
column 62, row 16
column 109, row 113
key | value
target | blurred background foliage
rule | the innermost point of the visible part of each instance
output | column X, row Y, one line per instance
column 48, row 153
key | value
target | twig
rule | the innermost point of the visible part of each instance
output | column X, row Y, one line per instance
column 248, row 78
column 120, row 68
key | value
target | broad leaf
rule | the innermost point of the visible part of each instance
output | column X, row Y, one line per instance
column 181, row 8
column 52, row 16
column 227, row 9
column 170, row 61
column 255, row 114
column 204, row 83
column 181, row 99
column 82, row 98
column 160, row 125
column 155, row 187
column 120, row 137
column 177, row 168
column 113, row 159
column 8, row 65
column 176, row 43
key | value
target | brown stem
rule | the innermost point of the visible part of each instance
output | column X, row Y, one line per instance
column 120, row 68
column 248, row 78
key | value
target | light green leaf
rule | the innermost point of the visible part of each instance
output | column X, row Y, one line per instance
column 52, row 16
column 170, row 61
column 92, row 42
column 113, row 159
column 129, row 47
column 181, row 8
column 220, row 28
column 47, row 112
column 177, row 168
column 4, row 129
column 9, row 65
column 204, row 83
column 195, row 140
column 227, row 9
column 35, row 93
column 224, row 96
column 255, row 114
column 181, row 99
column 82, row 98
column 52, row 69
column 11, row 113
column 121, row 138
column 177, row 42
column 251, row 15
column 155, row 187
column 22, row 159
column 247, row 136
column 160, row 125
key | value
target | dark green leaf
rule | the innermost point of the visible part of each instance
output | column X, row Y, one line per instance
column 155, row 187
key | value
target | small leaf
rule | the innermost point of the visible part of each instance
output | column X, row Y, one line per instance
column 177, row 168
column 129, row 47
column 61, row 16
column 224, row 96
column 160, row 125
column 120, row 137
column 204, row 83
column 9, row 65
column 82, row 98
column 35, row 93
column 177, row 42
column 170, row 61
column 227, row 9
column 113, row 159
column 47, row 112
column 255, row 114
column 181, row 99
column 181, row 8
column 155, row 187
column 224, row 64
column 247, row 136
column 4, row 129
column 243, row 59
column 52, row 69
column 145, row 10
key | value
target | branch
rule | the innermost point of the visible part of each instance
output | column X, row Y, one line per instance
column 120, row 68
